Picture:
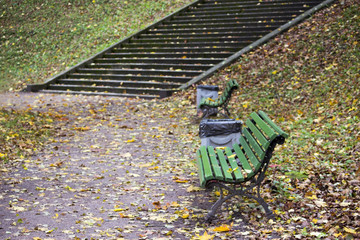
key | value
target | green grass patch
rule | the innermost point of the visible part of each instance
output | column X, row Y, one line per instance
column 42, row 38
column 22, row 133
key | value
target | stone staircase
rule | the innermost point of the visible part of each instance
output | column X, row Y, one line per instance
column 179, row 50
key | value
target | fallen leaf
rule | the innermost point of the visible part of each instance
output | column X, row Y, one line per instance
column 181, row 181
column 191, row 188
column 205, row 236
column 82, row 128
column 349, row 230
column 223, row 228
column 320, row 203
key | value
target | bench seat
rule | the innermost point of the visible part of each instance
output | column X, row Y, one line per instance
column 243, row 166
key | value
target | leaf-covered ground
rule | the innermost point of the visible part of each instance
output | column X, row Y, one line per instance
column 125, row 168
column 113, row 169
column 308, row 80
column 22, row 132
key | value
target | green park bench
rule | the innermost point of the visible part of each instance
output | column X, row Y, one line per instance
column 240, row 169
column 211, row 106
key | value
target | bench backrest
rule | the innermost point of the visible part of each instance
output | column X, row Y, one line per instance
column 244, row 160
column 231, row 85
column 259, row 137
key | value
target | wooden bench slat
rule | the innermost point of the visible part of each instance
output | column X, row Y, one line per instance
column 222, row 99
column 244, row 163
column 235, row 168
column 263, row 126
column 253, row 159
column 201, row 170
column 215, row 164
column 254, row 144
column 224, row 165
column 262, row 139
column 272, row 124
column 206, row 163
column 227, row 89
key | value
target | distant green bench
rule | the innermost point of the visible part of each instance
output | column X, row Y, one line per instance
column 210, row 106
column 240, row 169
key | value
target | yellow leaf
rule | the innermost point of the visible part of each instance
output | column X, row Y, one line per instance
column 123, row 215
column 175, row 204
column 221, row 148
column 193, row 189
column 206, row 236
column 145, row 165
column 210, row 99
column 223, row 228
column 230, row 170
column 312, row 197
column 70, row 189
column 82, row 128
column 349, row 230
column 337, row 234
column 185, row 216
column 131, row 140
column 181, row 181
column 119, row 209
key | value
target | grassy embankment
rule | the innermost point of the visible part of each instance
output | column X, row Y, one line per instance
column 308, row 80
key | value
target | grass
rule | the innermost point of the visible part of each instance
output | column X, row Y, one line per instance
column 22, row 133
column 42, row 38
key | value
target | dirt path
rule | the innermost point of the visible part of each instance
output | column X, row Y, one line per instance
column 117, row 168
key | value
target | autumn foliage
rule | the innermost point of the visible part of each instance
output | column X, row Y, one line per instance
column 134, row 160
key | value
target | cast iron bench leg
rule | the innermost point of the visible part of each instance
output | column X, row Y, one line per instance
column 261, row 201
column 210, row 216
